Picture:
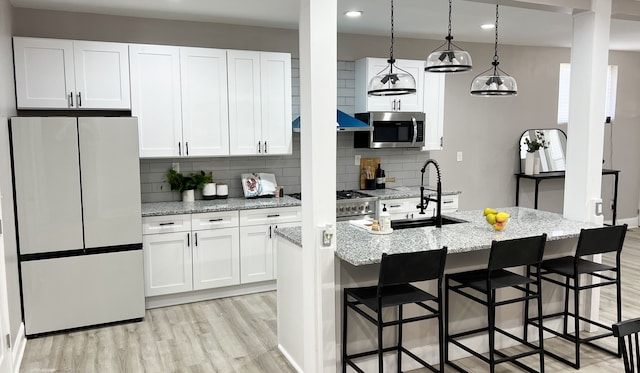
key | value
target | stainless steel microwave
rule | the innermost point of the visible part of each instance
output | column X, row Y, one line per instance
column 391, row 130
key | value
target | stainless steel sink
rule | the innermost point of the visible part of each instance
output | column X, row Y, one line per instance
column 429, row 222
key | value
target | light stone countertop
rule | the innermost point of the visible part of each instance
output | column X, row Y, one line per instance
column 229, row 204
column 404, row 192
column 359, row 247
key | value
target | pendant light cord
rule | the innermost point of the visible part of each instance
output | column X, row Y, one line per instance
column 391, row 59
column 495, row 62
column 449, row 37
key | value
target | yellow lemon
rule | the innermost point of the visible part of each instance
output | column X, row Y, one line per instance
column 502, row 217
column 489, row 210
column 491, row 218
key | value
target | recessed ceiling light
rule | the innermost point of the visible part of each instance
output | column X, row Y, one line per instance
column 487, row 26
column 353, row 13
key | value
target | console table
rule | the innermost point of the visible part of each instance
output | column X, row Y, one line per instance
column 560, row 175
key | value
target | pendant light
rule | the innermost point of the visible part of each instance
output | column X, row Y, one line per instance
column 449, row 60
column 392, row 80
column 498, row 83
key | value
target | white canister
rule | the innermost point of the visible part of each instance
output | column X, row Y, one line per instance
column 222, row 191
column 209, row 191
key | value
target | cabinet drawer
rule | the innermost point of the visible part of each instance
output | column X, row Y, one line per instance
column 450, row 202
column 270, row 216
column 166, row 224
column 399, row 205
column 212, row 220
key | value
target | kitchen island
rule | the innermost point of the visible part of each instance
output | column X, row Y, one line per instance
column 357, row 256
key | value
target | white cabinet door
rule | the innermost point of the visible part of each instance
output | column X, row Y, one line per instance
column 275, row 83
column 245, row 116
column 155, row 99
column 102, row 75
column 44, row 73
column 256, row 253
column 205, row 113
column 167, row 263
column 216, row 258
column 367, row 68
column 434, row 110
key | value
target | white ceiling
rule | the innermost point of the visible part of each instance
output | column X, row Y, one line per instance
column 413, row 18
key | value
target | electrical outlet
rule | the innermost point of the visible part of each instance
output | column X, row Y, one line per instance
column 459, row 156
column 175, row 166
column 357, row 161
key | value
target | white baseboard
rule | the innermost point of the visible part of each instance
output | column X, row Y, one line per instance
column 289, row 359
column 202, row 295
column 631, row 222
column 19, row 344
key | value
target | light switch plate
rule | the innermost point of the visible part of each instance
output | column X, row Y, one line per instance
column 459, row 156
column 357, row 161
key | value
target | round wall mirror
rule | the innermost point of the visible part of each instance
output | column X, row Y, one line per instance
column 552, row 158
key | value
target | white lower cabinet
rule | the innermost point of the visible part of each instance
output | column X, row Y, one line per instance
column 406, row 208
column 257, row 241
column 190, row 252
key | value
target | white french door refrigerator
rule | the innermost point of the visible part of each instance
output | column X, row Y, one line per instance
column 77, row 200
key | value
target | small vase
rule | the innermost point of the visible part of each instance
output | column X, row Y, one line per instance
column 188, row 195
column 536, row 163
column 528, row 163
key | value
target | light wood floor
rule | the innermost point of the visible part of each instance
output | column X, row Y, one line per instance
column 239, row 335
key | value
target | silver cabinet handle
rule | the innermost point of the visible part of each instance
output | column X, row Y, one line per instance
column 215, row 220
column 186, row 146
column 259, row 146
column 79, row 98
column 447, row 201
column 71, row 99
column 415, row 129
column 273, row 215
column 179, row 149
column 393, row 106
column 392, row 206
column 163, row 224
column 399, row 104
column 265, row 147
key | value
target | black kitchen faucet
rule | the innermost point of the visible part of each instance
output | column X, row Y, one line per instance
column 438, row 199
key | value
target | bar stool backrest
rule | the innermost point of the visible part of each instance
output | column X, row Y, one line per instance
column 627, row 334
column 516, row 252
column 601, row 240
column 396, row 269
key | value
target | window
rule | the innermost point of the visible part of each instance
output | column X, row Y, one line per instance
column 563, row 93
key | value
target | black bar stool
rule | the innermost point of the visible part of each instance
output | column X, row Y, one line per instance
column 591, row 241
column 504, row 254
column 627, row 333
column 397, row 272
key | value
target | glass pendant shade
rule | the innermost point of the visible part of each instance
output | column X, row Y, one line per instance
column 392, row 81
column 494, row 82
column 448, row 61
column 448, row 58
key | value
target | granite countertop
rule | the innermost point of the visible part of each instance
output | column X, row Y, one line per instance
column 229, row 204
column 358, row 247
column 404, row 192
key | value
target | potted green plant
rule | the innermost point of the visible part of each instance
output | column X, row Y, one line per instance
column 186, row 185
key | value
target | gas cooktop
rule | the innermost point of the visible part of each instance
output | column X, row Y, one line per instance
column 340, row 195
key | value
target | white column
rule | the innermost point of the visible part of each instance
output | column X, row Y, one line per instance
column 589, row 58
column 318, row 87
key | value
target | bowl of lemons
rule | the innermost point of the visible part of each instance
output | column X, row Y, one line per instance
column 497, row 219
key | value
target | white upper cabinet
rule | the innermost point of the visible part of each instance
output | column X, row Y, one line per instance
column 67, row 74
column 434, row 110
column 259, row 103
column 155, row 99
column 367, row 68
column 205, row 113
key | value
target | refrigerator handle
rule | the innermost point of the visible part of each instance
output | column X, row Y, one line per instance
column 188, row 244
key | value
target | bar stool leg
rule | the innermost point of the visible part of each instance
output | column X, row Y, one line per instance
column 380, row 357
column 400, row 338
column 540, row 330
column 446, row 326
column 440, row 328
column 619, row 300
column 491, row 308
column 344, row 333
column 566, row 306
column 525, row 332
column 576, row 306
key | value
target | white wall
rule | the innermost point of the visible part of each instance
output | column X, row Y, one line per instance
column 8, row 109
column 485, row 130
